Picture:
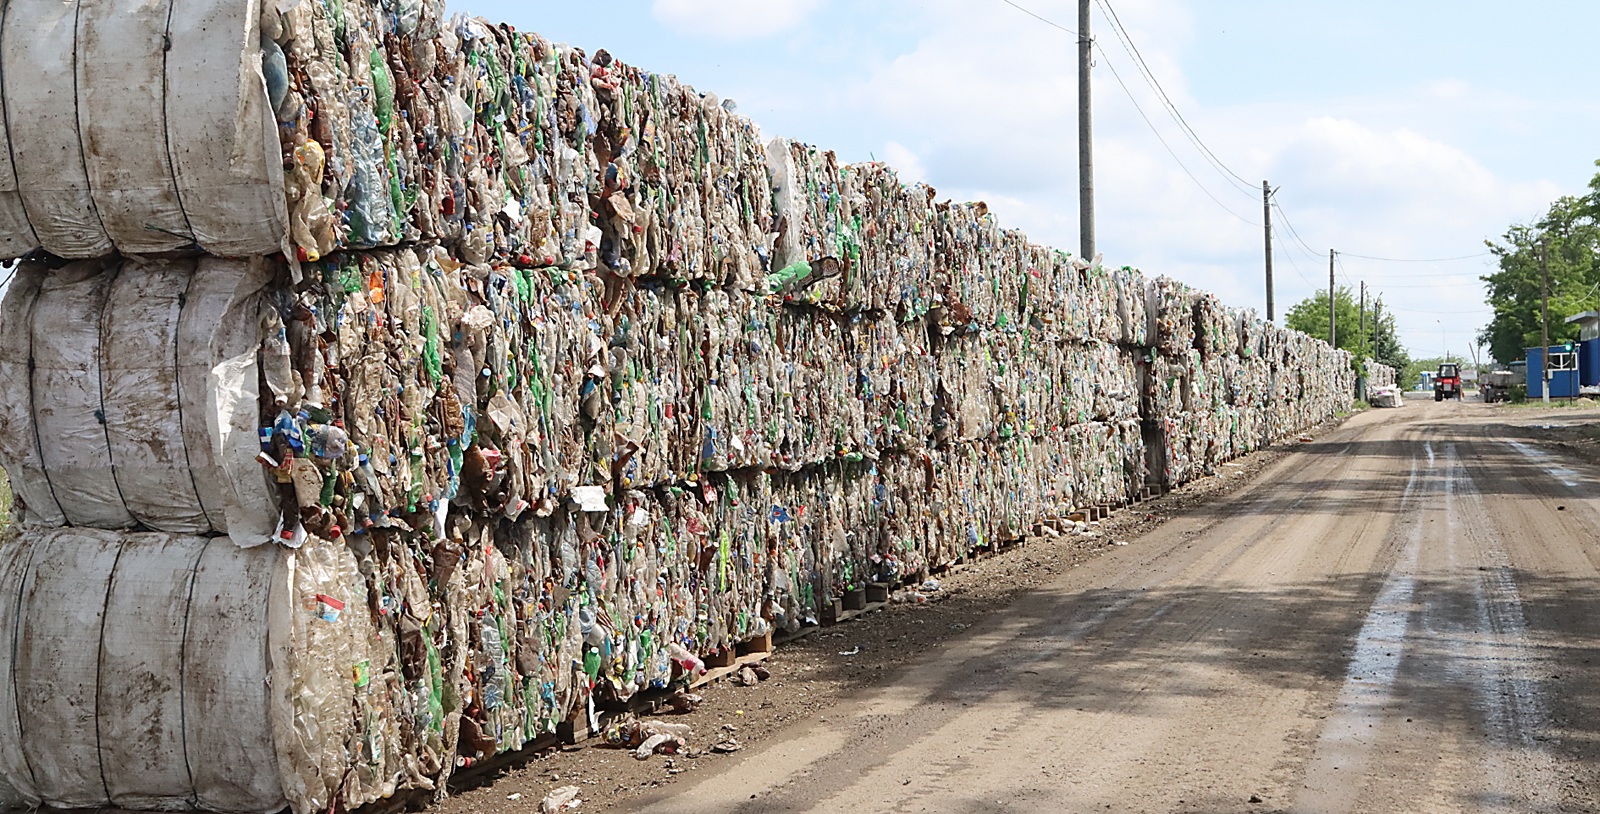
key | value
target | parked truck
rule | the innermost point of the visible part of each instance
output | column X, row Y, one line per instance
column 1497, row 384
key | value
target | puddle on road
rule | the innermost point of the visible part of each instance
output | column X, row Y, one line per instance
column 1341, row 751
column 1485, row 650
column 1545, row 461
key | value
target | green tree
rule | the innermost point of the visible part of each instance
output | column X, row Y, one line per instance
column 1380, row 341
column 1569, row 237
column 1310, row 317
column 1384, row 340
column 1411, row 374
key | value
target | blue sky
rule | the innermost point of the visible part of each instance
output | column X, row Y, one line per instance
column 1403, row 130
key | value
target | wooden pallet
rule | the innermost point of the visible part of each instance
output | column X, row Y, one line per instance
column 734, row 665
column 863, row 611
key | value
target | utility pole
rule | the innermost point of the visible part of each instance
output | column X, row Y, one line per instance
column 1544, row 296
column 1377, row 309
column 1333, row 325
column 1266, row 214
column 1363, row 313
column 1085, row 139
column 1361, row 340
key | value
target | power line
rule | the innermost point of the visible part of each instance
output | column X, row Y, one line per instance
column 1163, row 141
column 1126, row 39
column 1411, row 260
column 1040, row 19
column 1443, row 276
column 1305, row 247
column 1437, row 313
column 1292, row 264
column 1172, row 109
column 1345, row 273
column 1140, row 110
column 1418, row 285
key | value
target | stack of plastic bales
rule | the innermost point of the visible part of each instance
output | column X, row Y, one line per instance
column 1382, row 386
column 1221, row 382
column 440, row 384
column 1380, row 375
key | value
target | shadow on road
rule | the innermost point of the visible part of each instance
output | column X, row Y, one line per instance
column 1091, row 651
column 1496, row 468
column 1508, row 653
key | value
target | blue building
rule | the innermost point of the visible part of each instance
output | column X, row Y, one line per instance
column 1563, row 372
column 1588, row 347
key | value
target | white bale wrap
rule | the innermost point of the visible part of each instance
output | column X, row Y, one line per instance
column 225, row 156
column 39, row 44
column 19, row 447
column 122, row 106
column 132, row 398
column 68, row 396
column 134, row 672
column 137, row 125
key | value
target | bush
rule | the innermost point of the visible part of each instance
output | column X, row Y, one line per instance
column 1519, row 393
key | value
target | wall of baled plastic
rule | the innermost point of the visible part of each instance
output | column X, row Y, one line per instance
column 567, row 374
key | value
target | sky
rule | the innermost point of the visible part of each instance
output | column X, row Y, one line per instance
column 1410, row 131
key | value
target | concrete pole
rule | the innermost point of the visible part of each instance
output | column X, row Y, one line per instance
column 1544, row 330
column 1266, row 215
column 1085, row 138
column 1333, row 324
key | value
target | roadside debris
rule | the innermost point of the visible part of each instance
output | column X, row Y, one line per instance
column 648, row 737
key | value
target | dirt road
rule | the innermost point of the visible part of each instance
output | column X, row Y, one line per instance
column 1399, row 617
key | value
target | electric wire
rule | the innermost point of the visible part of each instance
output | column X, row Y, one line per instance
column 1434, row 285
column 1295, row 233
column 1443, row 276
column 1131, row 98
column 1128, row 45
column 1440, row 313
column 1040, row 19
column 1163, row 141
column 1420, row 260
column 1339, row 261
column 1276, row 240
column 1418, row 285
column 1125, row 39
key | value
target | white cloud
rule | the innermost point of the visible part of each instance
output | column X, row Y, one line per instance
column 980, row 102
column 1451, row 90
column 908, row 167
column 733, row 19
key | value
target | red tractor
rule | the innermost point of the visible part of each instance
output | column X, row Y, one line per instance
column 1447, row 385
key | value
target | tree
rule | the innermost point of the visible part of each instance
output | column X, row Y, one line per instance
column 1411, row 374
column 1380, row 342
column 1385, row 340
column 1310, row 317
column 1569, row 235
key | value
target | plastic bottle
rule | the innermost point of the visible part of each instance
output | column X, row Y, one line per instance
column 690, row 663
